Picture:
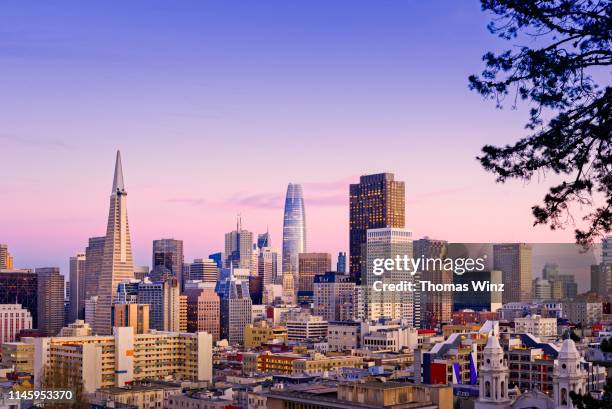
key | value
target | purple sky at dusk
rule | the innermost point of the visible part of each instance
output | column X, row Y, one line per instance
column 217, row 106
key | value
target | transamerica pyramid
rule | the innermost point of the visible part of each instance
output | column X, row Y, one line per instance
column 117, row 262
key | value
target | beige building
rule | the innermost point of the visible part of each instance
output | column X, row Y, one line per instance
column 132, row 315
column 143, row 395
column 537, row 325
column 96, row 362
column 79, row 328
column 203, row 309
column 306, row 327
column 13, row 319
column 515, row 262
column 260, row 332
column 19, row 356
column 6, row 260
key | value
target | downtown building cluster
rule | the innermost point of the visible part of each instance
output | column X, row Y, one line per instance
column 254, row 326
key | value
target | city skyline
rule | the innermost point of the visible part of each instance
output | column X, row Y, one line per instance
column 277, row 118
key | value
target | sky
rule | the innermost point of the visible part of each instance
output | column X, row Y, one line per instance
column 216, row 106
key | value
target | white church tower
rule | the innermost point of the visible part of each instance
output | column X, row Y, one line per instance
column 493, row 377
column 568, row 376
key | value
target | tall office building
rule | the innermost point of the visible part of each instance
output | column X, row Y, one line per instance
column 268, row 263
column 562, row 286
column 601, row 279
column 6, row 260
column 388, row 243
column 218, row 258
column 117, row 262
column 435, row 306
column 204, row 269
column 50, row 300
column 310, row 265
column 203, row 310
column 514, row 261
column 377, row 201
column 164, row 302
column 77, row 288
column 167, row 260
column 20, row 287
column 236, row 311
column 264, row 240
column 606, row 250
column 341, row 263
column 334, row 297
column 294, row 228
column 239, row 247
column 94, row 253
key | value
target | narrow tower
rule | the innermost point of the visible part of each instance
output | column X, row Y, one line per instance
column 493, row 377
column 117, row 263
column 294, row 228
column 568, row 376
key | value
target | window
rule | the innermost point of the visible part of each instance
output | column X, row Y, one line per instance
column 487, row 389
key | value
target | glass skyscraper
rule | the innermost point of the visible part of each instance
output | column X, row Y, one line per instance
column 294, row 228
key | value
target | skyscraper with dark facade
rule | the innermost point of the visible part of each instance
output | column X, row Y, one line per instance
column 20, row 287
column 377, row 201
column 263, row 240
column 77, row 288
column 294, row 228
column 168, row 260
column 341, row 263
column 50, row 300
column 93, row 266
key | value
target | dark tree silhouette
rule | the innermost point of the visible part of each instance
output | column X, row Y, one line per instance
column 569, row 131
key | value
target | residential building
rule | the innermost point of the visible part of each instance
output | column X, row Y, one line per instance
column 96, row 362
column 143, row 394
column 541, row 327
column 19, row 356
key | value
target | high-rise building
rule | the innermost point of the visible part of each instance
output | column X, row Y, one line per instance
column 13, row 319
column 218, row 258
column 562, row 286
column 294, row 228
column 239, row 247
column 132, row 315
column 140, row 272
column 236, row 310
column 20, row 287
column 601, row 279
column 182, row 313
column 164, row 303
column 167, row 260
column 341, row 263
column 310, row 265
column 50, row 300
column 435, row 306
column 377, row 201
column 514, row 261
column 388, row 243
column 203, row 309
column 77, row 287
column 606, row 250
column 541, row 289
column 475, row 299
column 93, row 266
column 91, row 305
column 264, row 240
column 204, row 269
column 268, row 262
column 334, row 297
column 6, row 260
column 117, row 262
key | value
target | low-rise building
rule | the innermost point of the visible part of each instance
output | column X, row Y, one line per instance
column 544, row 328
column 143, row 395
column 260, row 333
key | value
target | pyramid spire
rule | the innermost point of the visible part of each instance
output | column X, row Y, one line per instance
column 118, row 179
